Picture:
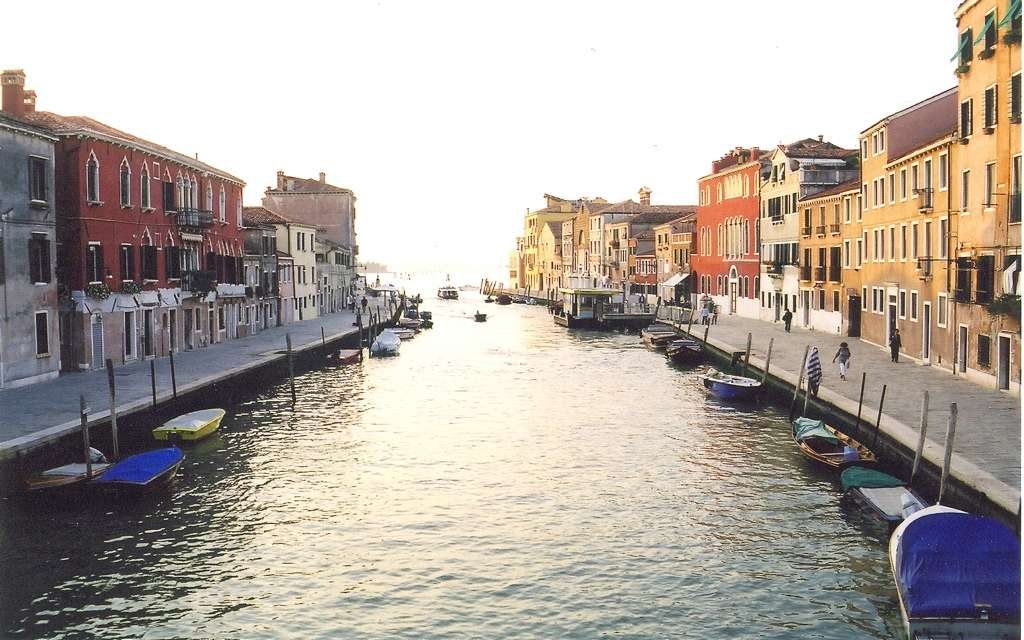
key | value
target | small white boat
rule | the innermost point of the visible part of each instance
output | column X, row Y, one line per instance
column 448, row 293
column 886, row 497
column 65, row 478
column 957, row 576
column 190, row 426
column 386, row 344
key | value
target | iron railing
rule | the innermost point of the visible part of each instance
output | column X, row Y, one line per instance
column 195, row 218
column 199, row 281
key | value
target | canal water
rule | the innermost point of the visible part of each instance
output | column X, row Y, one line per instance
column 506, row 479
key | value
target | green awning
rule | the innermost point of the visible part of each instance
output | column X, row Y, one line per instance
column 964, row 42
column 984, row 28
column 804, row 428
column 1013, row 11
column 867, row 478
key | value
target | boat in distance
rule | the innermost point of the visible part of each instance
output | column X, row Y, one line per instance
column 386, row 344
column 140, row 473
column 828, row 446
column 685, row 351
column 480, row 317
column 729, row 387
column 957, row 576
column 190, row 426
column 448, row 293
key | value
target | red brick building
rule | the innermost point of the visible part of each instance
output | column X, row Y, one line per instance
column 726, row 261
column 149, row 242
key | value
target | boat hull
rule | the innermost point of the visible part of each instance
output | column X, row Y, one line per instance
column 813, row 450
column 172, row 432
column 121, row 479
column 49, row 484
column 687, row 353
column 727, row 391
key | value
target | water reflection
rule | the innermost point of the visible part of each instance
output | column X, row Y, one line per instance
column 497, row 479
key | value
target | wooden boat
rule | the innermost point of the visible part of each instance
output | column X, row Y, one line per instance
column 426, row 315
column 140, row 473
column 488, row 299
column 348, row 356
column 404, row 334
column 409, row 323
column 480, row 317
column 886, row 497
column 67, row 478
column 828, row 446
column 685, row 351
column 957, row 576
column 503, row 299
column 730, row 387
column 448, row 293
column 191, row 426
column 658, row 335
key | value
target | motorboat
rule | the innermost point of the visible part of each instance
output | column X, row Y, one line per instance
column 658, row 335
column 957, row 575
column 69, row 477
column 729, row 387
column 885, row 496
column 685, row 351
column 426, row 315
column 140, row 473
column 404, row 334
column 503, row 299
column 386, row 344
column 409, row 323
column 828, row 446
column 480, row 317
column 349, row 356
column 448, row 293
column 191, row 426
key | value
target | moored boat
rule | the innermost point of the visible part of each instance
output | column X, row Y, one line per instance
column 67, row 478
column 386, row 344
column 480, row 317
column 349, row 356
column 404, row 334
column 409, row 323
column 885, row 496
column 685, row 350
column 658, row 335
column 190, row 426
column 829, row 446
column 957, row 575
column 141, row 472
column 503, row 299
column 730, row 387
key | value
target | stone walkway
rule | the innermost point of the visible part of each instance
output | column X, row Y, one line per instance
column 989, row 424
column 35, row 414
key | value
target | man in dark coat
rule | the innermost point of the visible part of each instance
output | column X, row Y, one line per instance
column 894, row 345
column 788, row 319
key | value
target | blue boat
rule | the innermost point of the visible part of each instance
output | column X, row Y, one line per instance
column 957, row 575
column 141, row 472
column 729, row 387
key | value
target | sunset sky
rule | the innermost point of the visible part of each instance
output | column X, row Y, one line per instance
column 449, row 120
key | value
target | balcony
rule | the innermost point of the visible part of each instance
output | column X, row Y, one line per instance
column 834, row 228
column 819, row 274
column 200, row 282
column 773, row 268
column 962, row 296
column 924, row 268
column 805, row 231
column 805, row 273
column 834, row 273
column 819, row 230
column 924, row 200
column 825, row 176
column 614, row 244
column 194, row 218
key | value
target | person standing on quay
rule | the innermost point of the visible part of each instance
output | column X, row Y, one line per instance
column 813, row 372
column 364, row 302
column 704, row 314
column 844, row 359
column 788, row 319
column 894, row 345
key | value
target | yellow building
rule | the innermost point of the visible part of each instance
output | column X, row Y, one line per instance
column 986, row 187
column 673, row 243
column 533, row 274
column 823, row 253
column 549, row 259
column 904, row 270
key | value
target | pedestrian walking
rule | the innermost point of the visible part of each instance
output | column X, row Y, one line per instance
column 813, row 372
column 894, row 345
column 788, row 319
column 704, row 314
column 843, row 356
column 364, row 302
column 714, row 315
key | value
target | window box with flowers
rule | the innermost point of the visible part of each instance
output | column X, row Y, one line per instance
column 98, row 291
column 130, row 287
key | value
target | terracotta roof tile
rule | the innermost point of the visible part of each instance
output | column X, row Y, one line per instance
column 262, row 215
column 849, row 185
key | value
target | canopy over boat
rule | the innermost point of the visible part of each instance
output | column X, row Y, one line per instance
column 143, row 467
column 867, row 478
column 951, row 563
column 804, row 428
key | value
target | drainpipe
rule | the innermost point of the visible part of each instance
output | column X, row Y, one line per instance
column 3, row 270
column 949, row 256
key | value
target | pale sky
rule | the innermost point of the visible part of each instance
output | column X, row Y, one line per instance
column 450, row 119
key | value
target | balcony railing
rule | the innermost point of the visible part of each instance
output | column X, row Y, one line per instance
column 819, row 274
column 805, row 231
column 924, row 267
column 199, row 281
column 194, row 218
column 805, row 273
column 819, row 230
column 833, row 228
column 773, row 268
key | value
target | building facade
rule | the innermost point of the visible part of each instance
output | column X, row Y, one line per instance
column 824, row 252
column 726, row 264
column 986, row 195
column 29, row 339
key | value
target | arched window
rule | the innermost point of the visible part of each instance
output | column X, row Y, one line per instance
column 757, row 286
column 223, row 204
column 209, row 197
column 184, row 193
column 238, row 212
column 126, row 184
column 92, row 178
column 144, row 195
column 194, row 200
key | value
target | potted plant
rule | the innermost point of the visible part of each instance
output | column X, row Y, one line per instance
column 98, row 291
column 130, row 287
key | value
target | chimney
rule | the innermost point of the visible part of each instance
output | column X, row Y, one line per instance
column 13, row 81
column 323, row 178
column 30, row 101
column 645, row 195
column 280, row 181
column 821, row 138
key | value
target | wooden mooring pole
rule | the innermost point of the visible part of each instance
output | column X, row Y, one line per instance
column 878, row 420
column 948, row 458
column 359, row 320
column 921, row 436
column 767, row 363
column 860, row 403
column 152, row 379
column 174, row 377
column 799, row 383
column 746, row 357
column 113, row 406
column 323, row 338
column 707, row 328
column 291, row 365
column 85, row 435
column 689, row 324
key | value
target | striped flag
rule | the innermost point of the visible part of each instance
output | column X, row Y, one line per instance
column 813, row 370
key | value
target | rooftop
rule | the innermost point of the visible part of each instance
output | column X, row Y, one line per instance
column 842, row 187
column 262, row 215
column 292, row 184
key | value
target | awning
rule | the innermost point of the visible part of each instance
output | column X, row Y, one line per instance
column 149, row 298
column 1012, row 12
column 675, row 280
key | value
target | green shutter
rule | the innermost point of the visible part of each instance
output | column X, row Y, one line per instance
column 1012, row 12
column 984, row 28
column 964, row 42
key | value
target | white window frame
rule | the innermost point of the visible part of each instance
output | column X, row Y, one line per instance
column 846, row 254
column 125, row 165
column 901, row 303
column 965, row 192
column 903, row 242
column 915, row 245
column 35, row 331
column 943, row 236
column 129, row 329
column 92, row 198
column 942, row 310
column 903, row 184
column 914, row 301
column 892, row 243
column 943, row 171
column 892, row 187
column 847, row 210
column 990, row 187
column 145, row 193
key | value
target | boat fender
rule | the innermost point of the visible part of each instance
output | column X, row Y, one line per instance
column 850, row 454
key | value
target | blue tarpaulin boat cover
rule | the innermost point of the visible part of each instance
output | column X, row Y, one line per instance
column 804, row 428
column 142, row 467
column 950, row 562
